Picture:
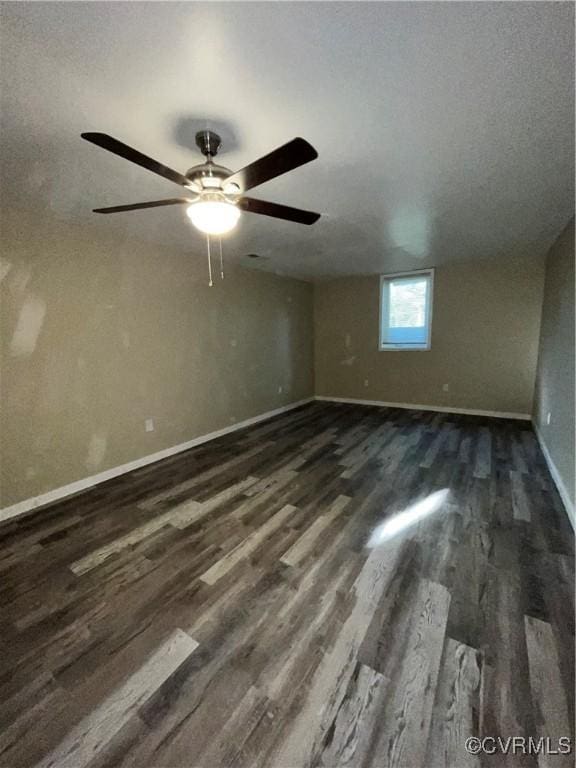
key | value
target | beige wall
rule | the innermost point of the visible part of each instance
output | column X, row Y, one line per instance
column 486, row 320
column 554, row 393
column 100, row 334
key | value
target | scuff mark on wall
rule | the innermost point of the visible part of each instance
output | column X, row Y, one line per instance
column 28, row 327
column 96, row 450
column 348, row 360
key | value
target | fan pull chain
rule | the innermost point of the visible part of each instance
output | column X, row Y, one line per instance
column 221, row 260
column 210, row 283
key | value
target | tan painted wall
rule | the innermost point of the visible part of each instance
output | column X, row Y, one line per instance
column 100, row 334
column 555, row 377
column 486, row 321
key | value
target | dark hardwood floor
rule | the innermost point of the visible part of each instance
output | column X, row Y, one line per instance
column 339, row 586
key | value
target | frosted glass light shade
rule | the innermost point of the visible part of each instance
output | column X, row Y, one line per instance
column 215, row 217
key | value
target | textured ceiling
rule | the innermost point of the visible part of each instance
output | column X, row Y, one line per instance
column 445, row 130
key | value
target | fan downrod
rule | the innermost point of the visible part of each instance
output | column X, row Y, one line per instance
column 208, row 143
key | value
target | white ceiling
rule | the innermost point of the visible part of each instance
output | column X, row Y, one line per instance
column 445, row 130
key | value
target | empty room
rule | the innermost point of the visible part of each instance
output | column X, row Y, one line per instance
column 287, row 384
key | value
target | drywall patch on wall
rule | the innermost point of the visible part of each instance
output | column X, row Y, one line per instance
column 5, row 267
column 28, row 326
column 96, row 450
column 125, row 337
column 349, row 359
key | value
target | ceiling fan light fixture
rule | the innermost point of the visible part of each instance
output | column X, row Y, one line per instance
column 220, row 192
column 214, row 217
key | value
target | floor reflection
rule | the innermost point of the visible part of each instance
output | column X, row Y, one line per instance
column 408, row 517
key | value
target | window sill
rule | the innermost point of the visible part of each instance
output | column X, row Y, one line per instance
column 400, row 348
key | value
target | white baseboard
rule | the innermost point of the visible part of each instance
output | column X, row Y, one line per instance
column 559, row 483
column 439, row 408
column 87, row 482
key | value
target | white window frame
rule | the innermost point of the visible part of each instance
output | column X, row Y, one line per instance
column 386, row 347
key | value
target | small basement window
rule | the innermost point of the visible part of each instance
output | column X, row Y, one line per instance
column 406, row 310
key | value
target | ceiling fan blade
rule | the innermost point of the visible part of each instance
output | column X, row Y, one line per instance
column 297, row 152
column 140, row 206
column 123, row 150
column 265, row 208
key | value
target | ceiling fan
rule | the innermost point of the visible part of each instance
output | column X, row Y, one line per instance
column 217, row 193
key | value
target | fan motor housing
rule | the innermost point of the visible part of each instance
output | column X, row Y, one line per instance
column 209, row 176
column 208, row 170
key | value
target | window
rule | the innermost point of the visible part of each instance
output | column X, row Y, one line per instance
column 406, row 310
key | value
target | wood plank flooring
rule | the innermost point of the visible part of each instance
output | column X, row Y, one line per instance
column 339, row 586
